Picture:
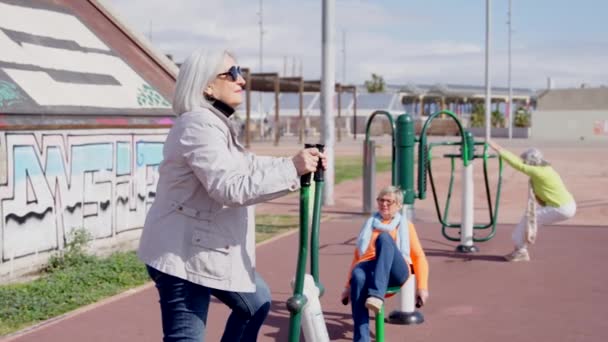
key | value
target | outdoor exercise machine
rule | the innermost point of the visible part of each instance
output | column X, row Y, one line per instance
column 404, row 141
column 304, row 306
column 403, row 146
column 467, row 154
column 402, row 170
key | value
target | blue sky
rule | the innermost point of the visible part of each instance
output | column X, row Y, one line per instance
column 405, row 41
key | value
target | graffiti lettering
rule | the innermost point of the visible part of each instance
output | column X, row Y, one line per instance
column 56, row 182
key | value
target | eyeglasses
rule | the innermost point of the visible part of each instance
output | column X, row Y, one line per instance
column 233, row 73
column 387, row 201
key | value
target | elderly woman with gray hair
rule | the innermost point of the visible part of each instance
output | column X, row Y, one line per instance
column 546, row 189
column 386, row 252
column 198, row 240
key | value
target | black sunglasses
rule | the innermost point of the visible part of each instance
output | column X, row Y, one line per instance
column 234, row 72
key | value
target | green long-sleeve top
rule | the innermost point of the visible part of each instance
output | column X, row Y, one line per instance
column 546, row 182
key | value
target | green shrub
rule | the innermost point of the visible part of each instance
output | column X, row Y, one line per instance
column 478, row 117
column 74, row 252
column 522, row 118
column 498, row 119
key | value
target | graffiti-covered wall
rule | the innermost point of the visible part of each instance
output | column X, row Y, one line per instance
column 52, row 182
column 84, row 111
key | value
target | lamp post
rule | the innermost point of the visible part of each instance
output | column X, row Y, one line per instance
column 328, row 81
column 487, row 71
column 510, row 104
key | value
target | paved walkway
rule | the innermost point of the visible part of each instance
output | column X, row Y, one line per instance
column 559, row 296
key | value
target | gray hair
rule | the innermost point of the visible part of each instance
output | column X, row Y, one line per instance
column 391, row 189
column 534, row 157
column 195, row 74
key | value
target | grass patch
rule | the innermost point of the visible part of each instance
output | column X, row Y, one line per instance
column 352, row 167
column 267, row 226
column 74, row 279
column 67, row 288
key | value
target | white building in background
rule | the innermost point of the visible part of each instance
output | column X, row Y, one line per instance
column 571, row 114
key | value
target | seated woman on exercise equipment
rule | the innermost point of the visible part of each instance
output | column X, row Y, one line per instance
column 546, row 189
column 386, row 247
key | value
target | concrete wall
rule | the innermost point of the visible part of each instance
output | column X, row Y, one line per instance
column 570, row 125
column 52, row 182
column 577, row 99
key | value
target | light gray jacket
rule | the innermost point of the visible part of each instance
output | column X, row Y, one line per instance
column 201, row 225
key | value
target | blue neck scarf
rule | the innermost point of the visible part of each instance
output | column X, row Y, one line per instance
column 375, row 222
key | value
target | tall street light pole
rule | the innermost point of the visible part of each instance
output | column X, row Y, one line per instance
column 260, row 99
column 343, row 56
column 261, row 22
column 328, row 81
column 510, row 104
column 487, row 76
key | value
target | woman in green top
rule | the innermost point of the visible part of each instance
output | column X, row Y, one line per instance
column 547, row 190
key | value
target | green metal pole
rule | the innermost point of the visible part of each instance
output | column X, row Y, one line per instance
column 380, row 325
column 298, row 300
column 423, row 149
column 405, row 141
column 316, row 222
column 392, row 123
column 423, row 155
column 468, row 147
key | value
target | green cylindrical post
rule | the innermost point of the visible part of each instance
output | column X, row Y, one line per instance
column 468, row 148
column 316, row 222
column 380, row 325
column 405, row 141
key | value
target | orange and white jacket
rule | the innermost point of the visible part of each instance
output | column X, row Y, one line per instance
column 416, row 258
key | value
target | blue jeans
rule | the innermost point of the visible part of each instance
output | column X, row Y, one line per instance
column 184, row 306
column 372, row 278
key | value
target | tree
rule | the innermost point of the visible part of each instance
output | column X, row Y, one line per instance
column 376, row 84
column 522, row 118
column 497, row 119
column 478, row 117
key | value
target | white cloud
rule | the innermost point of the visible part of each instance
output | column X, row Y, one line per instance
column 376, row 42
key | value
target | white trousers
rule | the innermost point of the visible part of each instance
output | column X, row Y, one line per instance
column 544, row 215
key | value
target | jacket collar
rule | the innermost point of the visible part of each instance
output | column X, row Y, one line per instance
column 223, row 108
column 224, row 118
